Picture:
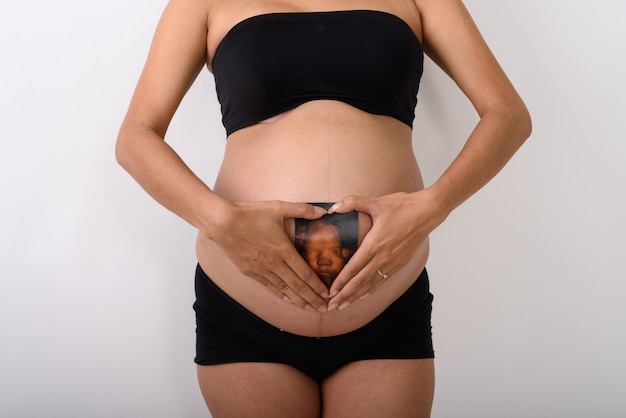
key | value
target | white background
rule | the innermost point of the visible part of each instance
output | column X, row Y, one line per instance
column 97, row 280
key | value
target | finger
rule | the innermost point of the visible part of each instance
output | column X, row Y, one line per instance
column 269, row 286
column 373, row 288
column 301, row 210
column 361, row 286
column 303, row 278
column 284, row 291
column 288, row 266
column 350, row 203
column 356, row 264
column 302, row 283
column 363, row 292
column 311, row 283
column 376, row 281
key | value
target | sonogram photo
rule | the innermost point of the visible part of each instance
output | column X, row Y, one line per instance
column 327, row 243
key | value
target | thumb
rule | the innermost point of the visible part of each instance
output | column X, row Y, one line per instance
column 349, row 204
column 302, row 210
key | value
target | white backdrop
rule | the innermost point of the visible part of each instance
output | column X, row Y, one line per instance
column 96, row 280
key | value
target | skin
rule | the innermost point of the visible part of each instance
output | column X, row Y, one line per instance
column 305, row 155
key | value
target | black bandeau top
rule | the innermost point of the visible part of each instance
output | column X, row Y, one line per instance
column 270, row 63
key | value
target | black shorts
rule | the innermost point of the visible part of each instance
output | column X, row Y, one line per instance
column 226, row 332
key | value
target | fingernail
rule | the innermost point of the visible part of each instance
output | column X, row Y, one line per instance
column 344, row 306
column 322, row 309
column 286, row 299
column 332, row 307
column 324, row 295
column 319, row 209
column 364, row 296
column 335, row 207
column 333, row 293
column 309, row 308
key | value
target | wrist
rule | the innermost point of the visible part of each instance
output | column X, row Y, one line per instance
column 439, row 201
column 213, row 213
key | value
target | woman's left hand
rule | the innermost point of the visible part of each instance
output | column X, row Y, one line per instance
column 400, row 224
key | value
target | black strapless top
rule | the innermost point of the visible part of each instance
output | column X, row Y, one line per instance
column 271, row 63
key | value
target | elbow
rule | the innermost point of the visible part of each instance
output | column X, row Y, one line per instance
column 524, row 121
column 518, row 119
column 509, row 118
column 513, row 114
column 124, row 147
column 121, row 149
column 134, row 144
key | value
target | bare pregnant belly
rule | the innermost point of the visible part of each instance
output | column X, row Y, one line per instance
column 282, row 161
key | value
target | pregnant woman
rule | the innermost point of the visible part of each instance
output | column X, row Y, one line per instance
column 318, row 101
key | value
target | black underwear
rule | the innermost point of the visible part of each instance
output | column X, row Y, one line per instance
column 227, row 332
column 274, row 62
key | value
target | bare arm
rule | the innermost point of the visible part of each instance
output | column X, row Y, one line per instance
column 259, row 249
column 176, row 57
column 504, row 124
column 401, row 221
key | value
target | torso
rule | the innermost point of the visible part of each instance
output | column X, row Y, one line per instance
column 321, row 151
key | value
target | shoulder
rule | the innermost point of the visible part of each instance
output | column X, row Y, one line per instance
column 453, row 41
column 440, row 17
column 176, row 56
column 450, row 35
column 188, row 10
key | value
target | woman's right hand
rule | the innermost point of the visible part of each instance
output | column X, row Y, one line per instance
column 252, row 235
